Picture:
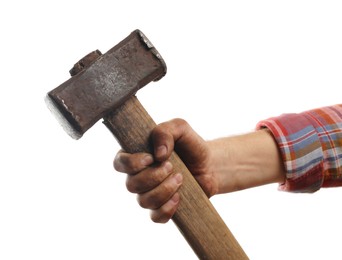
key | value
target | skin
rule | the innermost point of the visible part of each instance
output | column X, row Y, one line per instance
column 220, row 166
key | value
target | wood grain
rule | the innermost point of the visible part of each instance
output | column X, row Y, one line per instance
column 196, row 218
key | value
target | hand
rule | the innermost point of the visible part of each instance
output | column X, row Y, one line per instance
column 219, row 166
column 152, row 178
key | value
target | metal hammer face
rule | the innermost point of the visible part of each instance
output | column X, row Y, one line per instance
column 104, row 86
column 101, row 83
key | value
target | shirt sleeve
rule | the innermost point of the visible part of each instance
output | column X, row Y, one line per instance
column 311, row 147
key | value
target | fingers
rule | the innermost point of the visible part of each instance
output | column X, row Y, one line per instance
column 132, row 163
column 158, row 192
column 158, row 196
column 149, row 178
column 166, row 134
column 165, row 212
column 179, row 133
column 152, row 178
column 155, row 184
column 163, row 206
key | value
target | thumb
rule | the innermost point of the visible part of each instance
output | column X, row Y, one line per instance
column 178, row 134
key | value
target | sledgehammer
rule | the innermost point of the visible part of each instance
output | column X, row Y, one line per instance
column 104, row 86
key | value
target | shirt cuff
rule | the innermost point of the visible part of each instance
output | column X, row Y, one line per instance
column 301, row 151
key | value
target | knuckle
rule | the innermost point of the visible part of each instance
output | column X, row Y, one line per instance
column 131, row 185
column 165, row 127
column 160, row 218
column 147, row 180
column 182, row 125
column 118, row 165
column 159, row 174
column 141, row 202
column 127, row 163
column 155, row 198
column 150, row 201
column 169, row 188
column 144, row 202
column 179, row 125
column 154, row 203
column 133, row 166
column 166, row 214
column 156, row 218
column 180, row 122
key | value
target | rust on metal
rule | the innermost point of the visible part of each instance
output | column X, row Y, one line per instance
column 84, row 62
column 100, row 83
column 104, row 86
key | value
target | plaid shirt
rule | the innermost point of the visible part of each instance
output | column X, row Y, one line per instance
column 311, row 147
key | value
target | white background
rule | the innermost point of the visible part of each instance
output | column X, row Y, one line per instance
column 230, row 64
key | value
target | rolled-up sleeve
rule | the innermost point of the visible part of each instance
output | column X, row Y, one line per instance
column 311, row 147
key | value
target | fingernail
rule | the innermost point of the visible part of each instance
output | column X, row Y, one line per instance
column 161, row 151
column 168, row 166
column 175, row 198
column 179, row 178
column 147, row 160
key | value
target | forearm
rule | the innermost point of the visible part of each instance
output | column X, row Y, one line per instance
column 245, row 161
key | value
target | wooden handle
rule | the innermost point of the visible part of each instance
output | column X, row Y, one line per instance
column 196, row 217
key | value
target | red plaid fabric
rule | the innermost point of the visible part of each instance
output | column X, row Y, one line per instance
column 311, row 147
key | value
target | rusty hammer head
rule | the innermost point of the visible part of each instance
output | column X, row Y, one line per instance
column 101, row 83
